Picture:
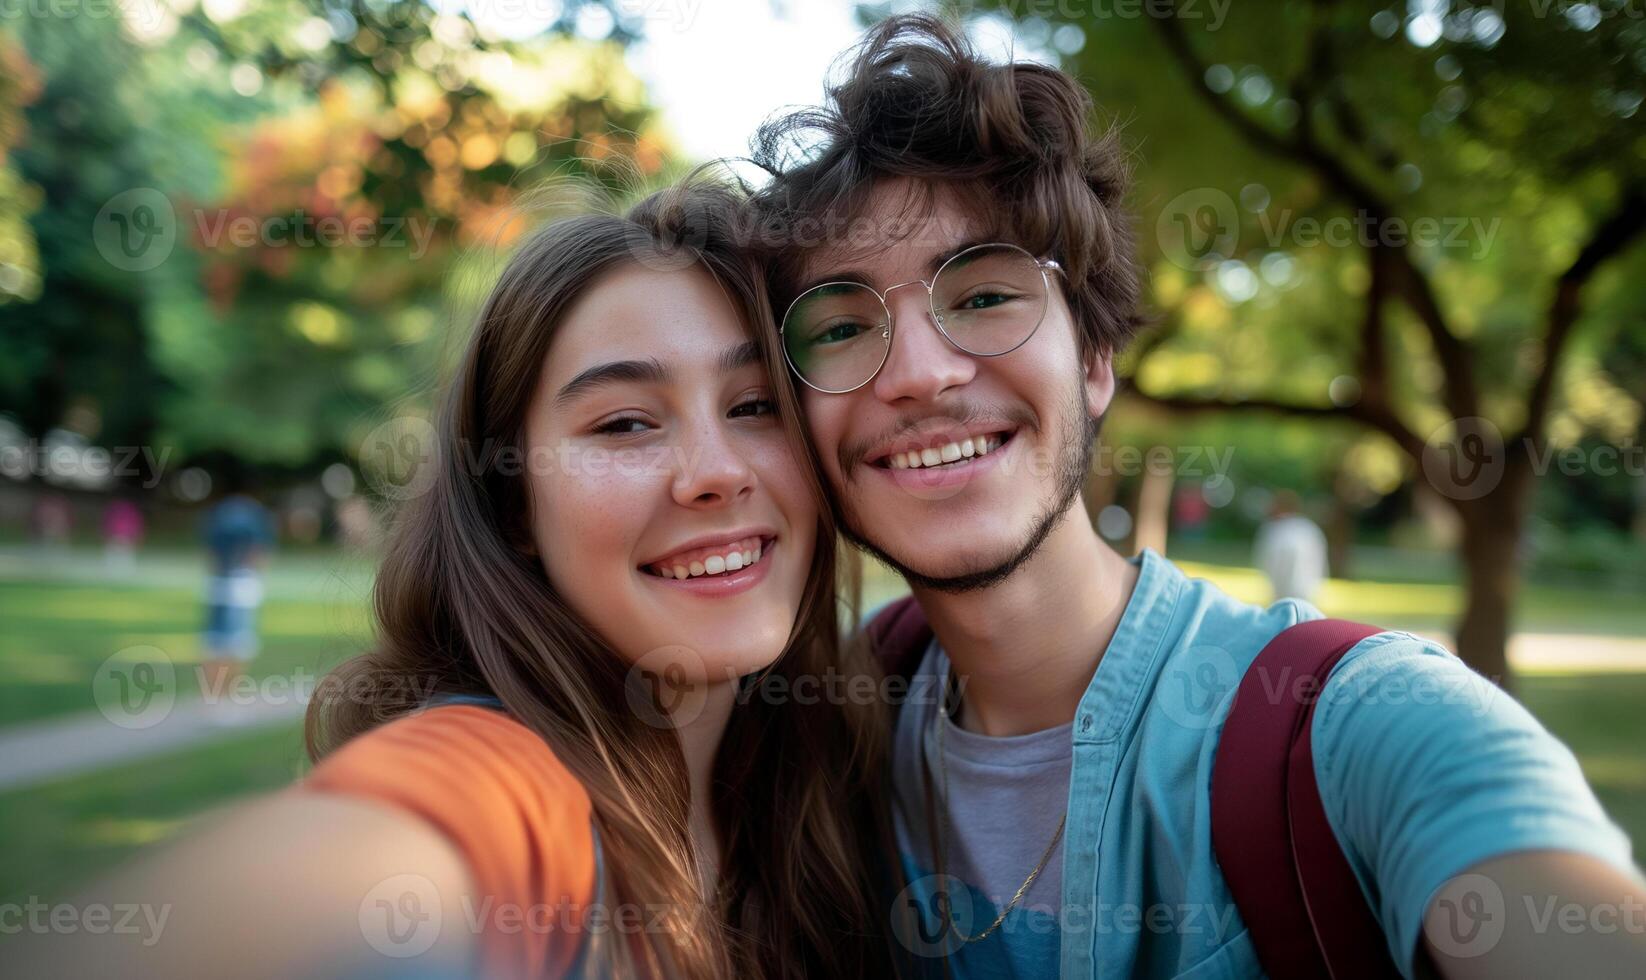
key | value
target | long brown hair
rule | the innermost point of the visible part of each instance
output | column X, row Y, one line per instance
column 463, row 606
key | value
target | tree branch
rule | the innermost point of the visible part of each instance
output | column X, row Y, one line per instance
column 1462, row 395
column 1374, row 354
column 1319, row 74
column 1377, row 418
column 1179, row 403
column 1613, row 236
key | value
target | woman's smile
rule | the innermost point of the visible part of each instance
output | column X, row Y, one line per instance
column 716, row 572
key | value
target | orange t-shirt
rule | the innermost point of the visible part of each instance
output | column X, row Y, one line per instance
column 516, row 814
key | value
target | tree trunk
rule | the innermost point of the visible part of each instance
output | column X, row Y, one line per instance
column 1491, row 563
column 1099, row 490
column 1154, row 507
column 1340, row 528
column 1639, row 446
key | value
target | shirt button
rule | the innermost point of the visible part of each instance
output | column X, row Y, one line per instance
column 1086, row 723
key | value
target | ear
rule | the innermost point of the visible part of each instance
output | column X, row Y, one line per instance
column 1099, row 371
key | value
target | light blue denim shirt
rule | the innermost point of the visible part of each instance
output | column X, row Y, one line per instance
column 1425, row 769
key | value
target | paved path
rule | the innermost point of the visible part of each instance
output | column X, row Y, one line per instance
column 42, row 751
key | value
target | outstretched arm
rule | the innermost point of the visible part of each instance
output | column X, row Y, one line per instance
column 296, row 884
column 1537, row 914
column 1468, row 824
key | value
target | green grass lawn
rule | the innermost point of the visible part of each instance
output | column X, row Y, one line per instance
column 56, row 628
column 1543, row 608
column 62, row 834
column 55, row 632
column 1427, row 599
column 1600, row 717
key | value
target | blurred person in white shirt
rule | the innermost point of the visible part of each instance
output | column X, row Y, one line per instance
column 1291, row 550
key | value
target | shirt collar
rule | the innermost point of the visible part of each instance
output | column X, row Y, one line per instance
column 1140, row 638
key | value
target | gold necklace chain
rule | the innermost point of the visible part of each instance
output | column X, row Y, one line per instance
column 943, row 768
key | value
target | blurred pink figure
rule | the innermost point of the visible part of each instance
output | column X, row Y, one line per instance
column 122, row 533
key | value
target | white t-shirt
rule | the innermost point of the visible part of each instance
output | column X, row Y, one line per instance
column 1291, row 551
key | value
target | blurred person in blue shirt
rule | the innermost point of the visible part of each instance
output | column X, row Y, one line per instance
column 238, row 532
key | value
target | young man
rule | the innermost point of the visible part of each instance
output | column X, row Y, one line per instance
column 955, row 284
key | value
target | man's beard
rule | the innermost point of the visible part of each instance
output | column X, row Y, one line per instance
column 1074, row 460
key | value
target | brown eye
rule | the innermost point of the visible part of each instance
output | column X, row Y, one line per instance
column 621, row 426
column 755, row 407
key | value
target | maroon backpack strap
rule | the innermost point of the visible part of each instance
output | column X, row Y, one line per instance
column 899, row 635
column 1294, row 888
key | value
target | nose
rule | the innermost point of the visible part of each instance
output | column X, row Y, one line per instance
column 922, row 364
column 712, row 469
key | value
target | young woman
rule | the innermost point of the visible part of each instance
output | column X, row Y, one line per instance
column 556, row 761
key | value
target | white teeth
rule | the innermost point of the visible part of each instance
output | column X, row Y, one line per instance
column 733, row 560
column 948, row 453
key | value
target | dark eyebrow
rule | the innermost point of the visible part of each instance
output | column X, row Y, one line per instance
column 942, row 257
column 741, row 356
column 648, row 371
column 859, row 276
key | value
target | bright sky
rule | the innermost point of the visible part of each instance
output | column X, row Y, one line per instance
column 717, row 68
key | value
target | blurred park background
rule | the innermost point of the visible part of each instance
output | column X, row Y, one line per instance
column 1396, row 265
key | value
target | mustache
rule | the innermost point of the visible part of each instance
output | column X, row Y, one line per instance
column 959, row 412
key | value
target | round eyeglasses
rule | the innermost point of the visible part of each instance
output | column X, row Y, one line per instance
column 987, row 300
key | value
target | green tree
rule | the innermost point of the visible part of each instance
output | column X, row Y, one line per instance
column 81, row 340
column 299, row 182
column 1484, row 167
column 19, row 261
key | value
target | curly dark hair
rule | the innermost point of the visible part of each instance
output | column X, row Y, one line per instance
column 1013, row 143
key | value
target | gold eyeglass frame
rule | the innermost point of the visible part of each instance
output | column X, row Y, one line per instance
column 931, row 305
